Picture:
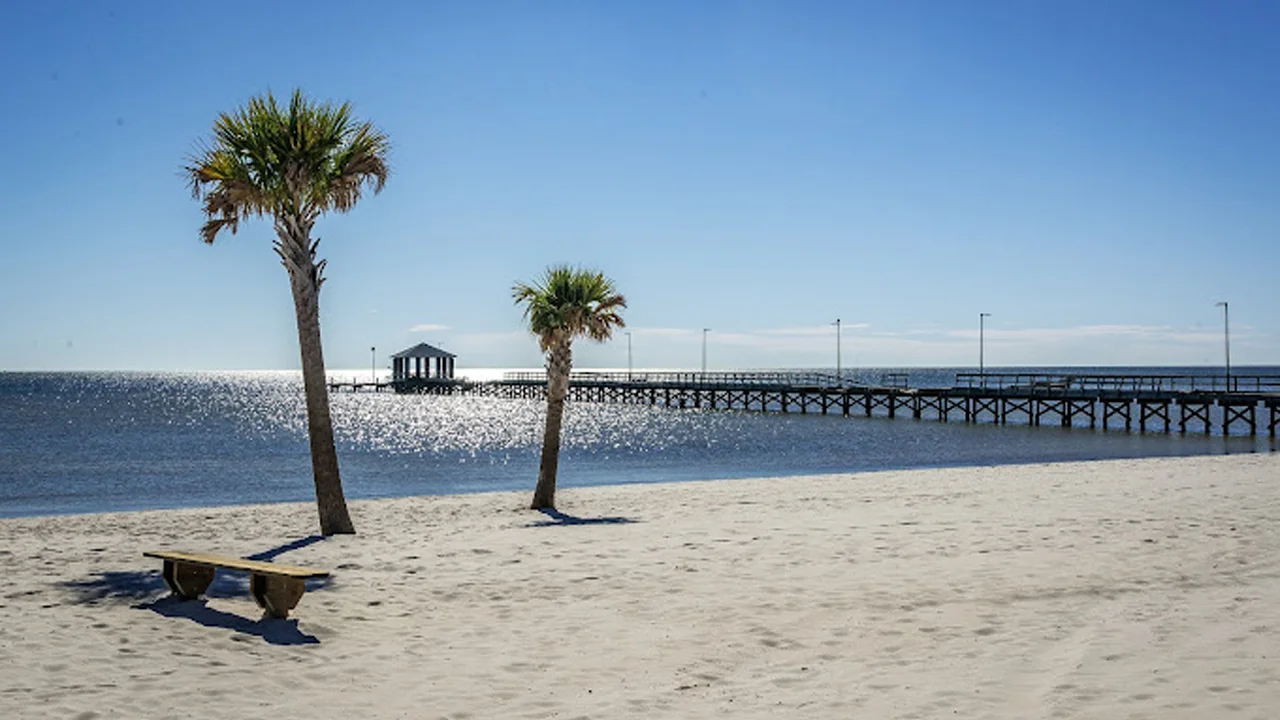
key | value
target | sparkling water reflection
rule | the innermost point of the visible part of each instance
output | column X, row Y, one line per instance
column 87, row 442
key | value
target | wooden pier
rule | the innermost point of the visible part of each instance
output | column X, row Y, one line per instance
column 1245, row 403
column 358, row 386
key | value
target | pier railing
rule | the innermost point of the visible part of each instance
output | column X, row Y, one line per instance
column 1036, row 383
column 690, row 379
column 1040, row 382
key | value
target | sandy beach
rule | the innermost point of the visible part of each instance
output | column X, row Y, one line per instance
column 1118, row 589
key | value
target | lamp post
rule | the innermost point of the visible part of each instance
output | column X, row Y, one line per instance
column 1226, row 338
column 628, row 355
column 982, row 340
column 839, row 377
column 704, row 349
column 373, row 364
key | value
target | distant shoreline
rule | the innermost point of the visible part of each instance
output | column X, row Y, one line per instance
column 462, row 370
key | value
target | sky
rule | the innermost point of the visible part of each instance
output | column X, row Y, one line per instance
column 1095, row 175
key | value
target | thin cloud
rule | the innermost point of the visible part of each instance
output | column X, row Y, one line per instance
column 812, row 329
column 658, row 331
column 773, row 340
column 495, row 337
column 745, row 336
column 1091, row 332
column 428, row 327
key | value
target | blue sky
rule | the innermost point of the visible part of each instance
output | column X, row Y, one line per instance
column 1096, row 175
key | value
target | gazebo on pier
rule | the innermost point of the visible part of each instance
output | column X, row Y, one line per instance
column 422, row 362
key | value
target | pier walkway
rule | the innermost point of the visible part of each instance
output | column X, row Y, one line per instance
column 1248, row 403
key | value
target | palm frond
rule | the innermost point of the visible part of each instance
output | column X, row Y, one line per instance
column 567, row 302
column 301, row 160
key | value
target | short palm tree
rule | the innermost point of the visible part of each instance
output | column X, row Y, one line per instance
column 293, row 164
column 566, row 303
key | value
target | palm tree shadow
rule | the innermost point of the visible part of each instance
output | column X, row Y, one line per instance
column 559, row 519
column 275, row 552
column 276, row 632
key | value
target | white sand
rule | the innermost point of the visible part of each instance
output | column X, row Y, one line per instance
column 1129, row 589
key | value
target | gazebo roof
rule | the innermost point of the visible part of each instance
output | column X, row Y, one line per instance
column 423, row 350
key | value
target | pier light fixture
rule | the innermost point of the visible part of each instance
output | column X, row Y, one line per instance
column 1226, row 338
column 704, row 349
column 628, row 334
column 982, row 360
column 839, row 377
column 373, row 364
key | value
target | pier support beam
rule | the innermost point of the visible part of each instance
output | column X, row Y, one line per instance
column 1194, row 408
column 1036, row 400
column 1239, row 410
column 1117, row 408
column 1048, row 406
column 1153, row 410
column 1085, row 408
column 949, row 403
column 1017, row 405
column 929, row 402
column 990, row 405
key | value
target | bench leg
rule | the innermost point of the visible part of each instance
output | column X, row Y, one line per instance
column 187, row 581
column 276, row 595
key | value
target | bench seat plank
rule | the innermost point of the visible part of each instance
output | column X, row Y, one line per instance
column 233, row 563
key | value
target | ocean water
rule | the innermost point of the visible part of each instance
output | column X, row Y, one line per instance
column 94, row 442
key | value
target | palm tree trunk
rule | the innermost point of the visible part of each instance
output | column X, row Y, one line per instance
column 305, row 280
column 559, row 364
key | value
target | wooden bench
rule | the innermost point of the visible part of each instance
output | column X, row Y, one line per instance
column 276, row 588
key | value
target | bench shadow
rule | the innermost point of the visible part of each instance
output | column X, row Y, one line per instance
column 147, row 589
column 144, row 584
column 126, row 585
column 276, row 632
column 559, row 519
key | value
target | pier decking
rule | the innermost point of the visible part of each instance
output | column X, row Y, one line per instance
column 359, row 386
column 1151, row 402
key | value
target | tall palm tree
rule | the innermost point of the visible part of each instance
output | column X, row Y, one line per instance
column 566, row 303
column 293, row 164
